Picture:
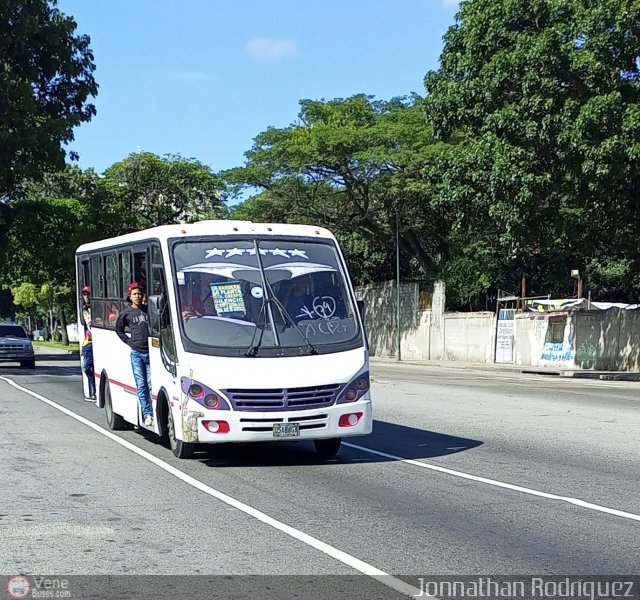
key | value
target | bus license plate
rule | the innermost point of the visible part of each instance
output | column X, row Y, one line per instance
column 286, row 429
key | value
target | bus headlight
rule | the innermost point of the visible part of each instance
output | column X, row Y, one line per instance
column 362, row 384
column 196, row 391
column 355, row 389
column 351, row 394
column 212, row 401
column 205, row 396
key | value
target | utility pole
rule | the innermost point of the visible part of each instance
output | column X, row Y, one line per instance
column 575, row 274
column 398, row 332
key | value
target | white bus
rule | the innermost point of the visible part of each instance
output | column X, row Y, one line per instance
column 255, row 334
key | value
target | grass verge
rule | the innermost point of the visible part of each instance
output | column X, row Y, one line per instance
column 72, row 348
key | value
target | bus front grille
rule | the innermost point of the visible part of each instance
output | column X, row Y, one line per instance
column 283, row 398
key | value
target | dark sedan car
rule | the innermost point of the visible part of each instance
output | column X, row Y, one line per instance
column 15, row 346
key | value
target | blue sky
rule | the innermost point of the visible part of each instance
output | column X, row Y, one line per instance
column 202, row 78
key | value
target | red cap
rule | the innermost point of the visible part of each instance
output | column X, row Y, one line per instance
column 86, row 289
column 133, row 286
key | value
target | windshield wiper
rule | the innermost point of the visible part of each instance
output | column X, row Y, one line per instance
column 287, row 316
column 252, row 350
column 269, row 298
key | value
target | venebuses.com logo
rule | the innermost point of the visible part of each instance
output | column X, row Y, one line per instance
column 18, row 587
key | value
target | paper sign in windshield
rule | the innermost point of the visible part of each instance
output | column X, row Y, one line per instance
column 227, row 298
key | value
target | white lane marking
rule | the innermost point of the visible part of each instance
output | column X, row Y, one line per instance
column 508, row 486
column 351, row 561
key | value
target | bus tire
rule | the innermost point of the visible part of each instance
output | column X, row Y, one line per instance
column 328, row 448
column 162, row 409
column 114, row 421
column 101, row 386
column 179, row 448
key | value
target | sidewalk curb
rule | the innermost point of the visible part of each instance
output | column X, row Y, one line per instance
column 518, row 369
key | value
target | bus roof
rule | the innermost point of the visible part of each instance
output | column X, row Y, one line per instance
column 205, row 228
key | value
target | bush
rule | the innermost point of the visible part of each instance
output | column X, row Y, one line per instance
column 57, row 336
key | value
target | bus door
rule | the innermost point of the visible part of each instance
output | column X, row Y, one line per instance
column 83, row 279
column 162, row 346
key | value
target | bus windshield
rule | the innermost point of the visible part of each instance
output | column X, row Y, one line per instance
column 224, row 304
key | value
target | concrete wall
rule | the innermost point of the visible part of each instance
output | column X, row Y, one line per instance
column 380, row 316
column 469, row 337
column 596, row 339
column 629, row 341
column 601, row 340
column 608, row 340
column 416, row 341
column 425, row 334
column 529, row 338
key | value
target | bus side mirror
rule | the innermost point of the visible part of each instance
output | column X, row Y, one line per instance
column 155, row 306
column 360, row 304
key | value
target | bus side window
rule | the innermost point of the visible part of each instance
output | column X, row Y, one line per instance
column 113, row 310
column 126, row 277
column 140, row 270
column 85, row 280
column 97, row 291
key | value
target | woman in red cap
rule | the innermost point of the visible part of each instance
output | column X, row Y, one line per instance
column 87, row 346
column 135, row 318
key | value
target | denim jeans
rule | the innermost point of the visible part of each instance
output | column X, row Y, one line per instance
column 87, row 367
column 142, row 375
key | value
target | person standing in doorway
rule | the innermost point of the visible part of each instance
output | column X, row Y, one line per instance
column 87, row 344
column 135, row 318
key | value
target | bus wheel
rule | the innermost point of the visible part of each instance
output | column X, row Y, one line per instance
column 102, row 384
column 115, row 422
column 179, row 448
column 328, row 448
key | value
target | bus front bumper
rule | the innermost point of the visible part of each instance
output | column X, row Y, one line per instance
column 341, row 420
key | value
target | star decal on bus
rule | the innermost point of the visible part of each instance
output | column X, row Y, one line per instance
column 229, row 252
column 300, row 253
column 213, row 252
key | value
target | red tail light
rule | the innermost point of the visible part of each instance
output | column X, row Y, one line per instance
column 350, row 420
column 216, row 426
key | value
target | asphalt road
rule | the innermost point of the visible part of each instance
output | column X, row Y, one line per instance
column 466, row 472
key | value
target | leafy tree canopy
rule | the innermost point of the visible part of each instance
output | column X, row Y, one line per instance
column 160, row 191
column 46, row 78
column 350, row 165
column 540, row 101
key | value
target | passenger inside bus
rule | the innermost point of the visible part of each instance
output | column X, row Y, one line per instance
column 196, row 298
column 330, row 297
column 112, row 313
column 299, row 301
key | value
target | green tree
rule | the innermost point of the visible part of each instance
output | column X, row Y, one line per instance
column 26, row 298
column 101, row 214
column 43, row 235
column 25, row 295
column 351, row 165
column 539, row 101
column 367, row 261
column 46, row 79
column 159, row 191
